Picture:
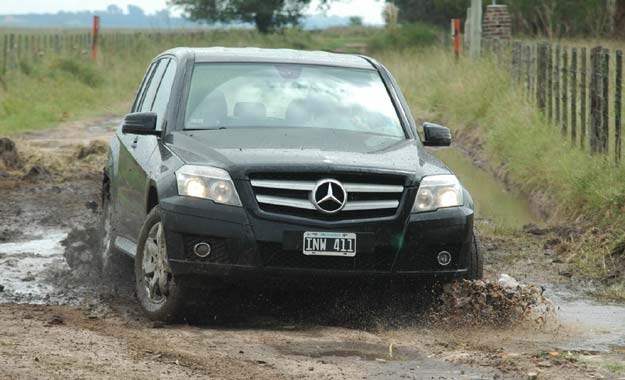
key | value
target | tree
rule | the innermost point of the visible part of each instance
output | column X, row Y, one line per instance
column 267, row 15
column 135, row 11
column 438, row 12
column 114, row 10
column 355, row 21
column 550, row 18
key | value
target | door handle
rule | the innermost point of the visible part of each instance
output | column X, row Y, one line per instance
column 134, row 143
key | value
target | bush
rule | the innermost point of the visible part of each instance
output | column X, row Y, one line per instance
column 407, row 36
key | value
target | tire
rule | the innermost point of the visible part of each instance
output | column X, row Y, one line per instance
column 160, row 297
column 476, row 262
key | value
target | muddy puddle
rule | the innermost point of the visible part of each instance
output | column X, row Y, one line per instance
column 28, row 267
column 600, row 327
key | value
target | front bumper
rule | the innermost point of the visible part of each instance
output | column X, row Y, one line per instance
column 246, row 245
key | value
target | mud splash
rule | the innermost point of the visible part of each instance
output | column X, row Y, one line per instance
column 484, row 303
column 81, row 247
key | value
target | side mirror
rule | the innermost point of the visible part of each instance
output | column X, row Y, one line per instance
column 436, row 135
column 140, row 123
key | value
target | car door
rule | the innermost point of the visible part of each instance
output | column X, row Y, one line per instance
column 135, row 151
column 156, row 100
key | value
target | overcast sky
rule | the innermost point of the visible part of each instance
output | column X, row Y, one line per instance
column 369, row 10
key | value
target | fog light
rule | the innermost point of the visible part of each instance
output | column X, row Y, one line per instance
column 202, row 249
column 444, row 258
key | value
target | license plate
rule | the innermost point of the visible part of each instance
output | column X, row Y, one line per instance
column 330, row 244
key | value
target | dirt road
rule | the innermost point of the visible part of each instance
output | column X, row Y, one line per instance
column 61, row 325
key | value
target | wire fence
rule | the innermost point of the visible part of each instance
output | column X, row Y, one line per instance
column 24, row 48
column 578, row 89
column 19, row 49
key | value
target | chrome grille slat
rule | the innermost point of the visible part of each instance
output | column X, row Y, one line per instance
column 284, row 185
column 283, row 201
column 371, row 188
column 370, row 205
column 280, row 196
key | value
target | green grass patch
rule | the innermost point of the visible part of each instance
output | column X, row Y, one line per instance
column 614, row 293
column 404, row 37
column 615, row 367
column 477, row 100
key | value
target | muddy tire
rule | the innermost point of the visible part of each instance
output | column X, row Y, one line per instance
column 476, row 262
column 160, row 297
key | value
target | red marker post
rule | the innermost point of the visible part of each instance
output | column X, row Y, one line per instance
column 457, row 35
column 94, row 43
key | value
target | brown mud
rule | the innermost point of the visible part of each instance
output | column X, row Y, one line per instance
column 61, row 323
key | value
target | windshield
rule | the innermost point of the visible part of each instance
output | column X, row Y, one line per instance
column 264, row 95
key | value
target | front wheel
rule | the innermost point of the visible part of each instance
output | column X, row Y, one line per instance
column 161, row 298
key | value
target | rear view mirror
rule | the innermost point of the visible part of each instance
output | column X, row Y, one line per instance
column 140, row 123
column 436, row 135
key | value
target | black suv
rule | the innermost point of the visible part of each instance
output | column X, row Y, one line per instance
column 244, row 164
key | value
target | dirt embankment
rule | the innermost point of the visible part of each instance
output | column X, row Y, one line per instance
column 58, row 323
column 591, row 250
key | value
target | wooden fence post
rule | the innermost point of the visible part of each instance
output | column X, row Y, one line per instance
column 528, row 61
column 25, row 48
column 565, row 90
column 12, row 57
column 556, row 85
column 617, row 105
column 595, row 99
column 541, row 77
column 531, row 71
column 5, row 54
column 517, row 63
column 605, row 76
column 574, row 96
column 94, row 35
column 582, row 116
column 549, row 83
column 18, row 47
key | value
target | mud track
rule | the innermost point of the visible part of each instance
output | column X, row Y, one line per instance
column 56, row 323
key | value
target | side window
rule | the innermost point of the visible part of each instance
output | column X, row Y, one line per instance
column 150, row 92
column 162, row 95
column 144, row 84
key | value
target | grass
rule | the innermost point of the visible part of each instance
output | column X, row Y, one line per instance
column 615, row 367
column 477, row 99
column 614, row 293
column 482, row 107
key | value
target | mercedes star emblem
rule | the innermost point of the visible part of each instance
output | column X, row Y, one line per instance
column 329, row 196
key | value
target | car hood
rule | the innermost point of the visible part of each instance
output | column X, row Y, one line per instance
column 244, row 151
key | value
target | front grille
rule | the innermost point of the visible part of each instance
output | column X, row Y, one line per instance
column 367, row 196
column 274, row 256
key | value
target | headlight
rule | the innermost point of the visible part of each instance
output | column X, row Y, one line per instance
column 438, row 191
column 208, row 183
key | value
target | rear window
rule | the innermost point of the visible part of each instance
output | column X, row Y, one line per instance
column 263, row 95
